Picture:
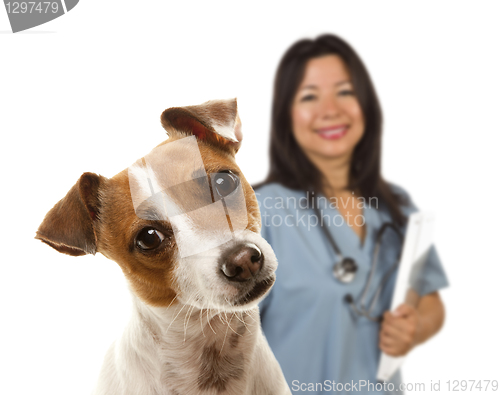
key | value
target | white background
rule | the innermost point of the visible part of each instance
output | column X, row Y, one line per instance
column 85, row 93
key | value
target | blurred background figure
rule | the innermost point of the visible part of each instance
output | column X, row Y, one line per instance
column 331, row 218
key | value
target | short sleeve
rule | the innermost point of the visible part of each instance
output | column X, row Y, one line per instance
column 428, row 275
column 431, row 277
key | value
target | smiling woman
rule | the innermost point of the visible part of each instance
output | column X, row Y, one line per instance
column 325, row 109
column 335, row 280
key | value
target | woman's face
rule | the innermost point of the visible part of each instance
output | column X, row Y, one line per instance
column 326, row 116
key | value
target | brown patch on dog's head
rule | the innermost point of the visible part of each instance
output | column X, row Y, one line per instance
column 97, row 216
column 216, row 122
column 149, row 272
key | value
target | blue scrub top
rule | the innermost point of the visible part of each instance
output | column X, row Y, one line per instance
column 314, row 334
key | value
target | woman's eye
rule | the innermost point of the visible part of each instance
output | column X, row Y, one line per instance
column 308, row 98
column 224, row 184
column 346, row 92
column 149, row 239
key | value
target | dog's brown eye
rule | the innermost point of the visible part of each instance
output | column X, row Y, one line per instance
column 149, row 239
column 224, row 184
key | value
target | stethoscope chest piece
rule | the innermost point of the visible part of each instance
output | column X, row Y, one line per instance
column 345, row 270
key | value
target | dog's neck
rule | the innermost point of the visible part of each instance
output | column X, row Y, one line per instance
column 188, row 350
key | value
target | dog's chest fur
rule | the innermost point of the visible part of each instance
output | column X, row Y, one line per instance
column 182, row 351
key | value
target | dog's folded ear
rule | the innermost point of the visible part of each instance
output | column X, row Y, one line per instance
column 69, row 225
column 216, row 122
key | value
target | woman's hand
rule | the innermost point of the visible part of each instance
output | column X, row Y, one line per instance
column 399, row 330
column 408, row 326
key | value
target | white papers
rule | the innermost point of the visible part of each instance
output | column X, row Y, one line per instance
column 417, row 244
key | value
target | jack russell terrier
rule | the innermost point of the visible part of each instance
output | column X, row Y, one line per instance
column 183, row 224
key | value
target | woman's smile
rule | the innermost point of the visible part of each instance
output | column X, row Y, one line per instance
column 332, row 132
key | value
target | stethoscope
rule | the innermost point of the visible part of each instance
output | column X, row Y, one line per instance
column 345, row 268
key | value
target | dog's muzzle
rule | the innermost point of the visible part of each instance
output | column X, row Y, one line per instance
column 242, row 263
column 242, row 267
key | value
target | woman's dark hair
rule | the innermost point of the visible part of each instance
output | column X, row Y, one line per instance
column 289, row 165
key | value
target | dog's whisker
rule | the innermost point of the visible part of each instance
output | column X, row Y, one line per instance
column 230, row 327
column 225, row 317
column 182, row 308
column 191, row 309
column 208, row 321
column 186, row 319
column 221, row 319
column 173, row 300
column 224, row 341
column 201, row 322
column 241, row 320
column 228, row 302
column 244, row 322
column 251, row 317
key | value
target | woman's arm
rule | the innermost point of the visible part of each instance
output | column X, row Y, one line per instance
column 408, row 326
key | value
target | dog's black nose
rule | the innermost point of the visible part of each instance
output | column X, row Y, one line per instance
column 242, row 263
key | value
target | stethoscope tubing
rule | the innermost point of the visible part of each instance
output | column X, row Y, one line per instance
column 362, row 310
